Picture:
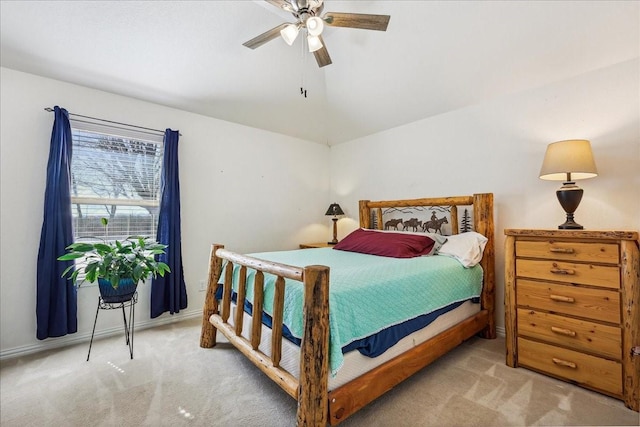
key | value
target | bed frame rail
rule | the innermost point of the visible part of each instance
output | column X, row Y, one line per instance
column 311, row 390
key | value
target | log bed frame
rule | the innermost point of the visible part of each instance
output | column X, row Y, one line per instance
column 318, row 406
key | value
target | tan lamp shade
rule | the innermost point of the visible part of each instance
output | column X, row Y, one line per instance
column 568, row 160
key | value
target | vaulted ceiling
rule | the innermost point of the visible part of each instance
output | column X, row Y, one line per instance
column 435, row 57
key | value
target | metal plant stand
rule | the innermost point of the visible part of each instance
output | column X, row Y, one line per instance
column 128, row 326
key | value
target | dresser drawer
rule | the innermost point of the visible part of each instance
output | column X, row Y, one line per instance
column 568, row 272
column 591, row 371
column 578, row 334
column 604, row 253
column 596, row 304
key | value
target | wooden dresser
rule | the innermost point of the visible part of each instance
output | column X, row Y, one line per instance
column 572, row 307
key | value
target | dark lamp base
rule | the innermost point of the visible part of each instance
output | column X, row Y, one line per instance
column 570, row 225
column 332, row 243
column 569, row 196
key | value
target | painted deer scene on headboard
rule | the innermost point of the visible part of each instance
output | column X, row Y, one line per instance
column 426, row 219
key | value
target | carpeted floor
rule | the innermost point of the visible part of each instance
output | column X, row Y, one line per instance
column 173, row 382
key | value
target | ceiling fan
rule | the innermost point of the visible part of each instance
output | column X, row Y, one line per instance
column 307, row 14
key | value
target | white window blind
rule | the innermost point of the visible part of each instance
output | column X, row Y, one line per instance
column 115, row 174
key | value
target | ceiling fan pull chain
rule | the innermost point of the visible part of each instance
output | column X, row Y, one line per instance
column 303, row 91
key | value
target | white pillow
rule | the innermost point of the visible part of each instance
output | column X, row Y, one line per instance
column 465, row 247
column 437, row 238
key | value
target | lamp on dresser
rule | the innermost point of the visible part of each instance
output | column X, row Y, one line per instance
column 335, row 210
column 568, row 161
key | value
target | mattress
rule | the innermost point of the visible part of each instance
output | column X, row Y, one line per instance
column 355, row 364
column 361, row 284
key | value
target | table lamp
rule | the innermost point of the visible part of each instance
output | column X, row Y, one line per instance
column 335, row 210
column 568, row 161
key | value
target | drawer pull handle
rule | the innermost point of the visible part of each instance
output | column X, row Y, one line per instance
column 564, row 363
column 562, row 331
column 562, row 250
column 561, row 298
column 566, row 271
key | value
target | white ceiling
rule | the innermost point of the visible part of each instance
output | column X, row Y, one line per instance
column 435, row 57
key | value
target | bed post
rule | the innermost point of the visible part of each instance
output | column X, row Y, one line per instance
column 208, row 332
column 483, row 220
column 365, row 214
column 313, row 395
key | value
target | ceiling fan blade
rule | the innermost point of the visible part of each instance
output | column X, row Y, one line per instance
column 264, row 37
column 322, row 55
column 357, row 20
column 281, row 4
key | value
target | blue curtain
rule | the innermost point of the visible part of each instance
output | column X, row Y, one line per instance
column 56, row 299
column 169, row 293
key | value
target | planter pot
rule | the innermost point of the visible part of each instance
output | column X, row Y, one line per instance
column 124, row 292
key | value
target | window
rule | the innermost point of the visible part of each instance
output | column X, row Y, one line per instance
column 115, row 174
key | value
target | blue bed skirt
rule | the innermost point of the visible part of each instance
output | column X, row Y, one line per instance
column 373, row 345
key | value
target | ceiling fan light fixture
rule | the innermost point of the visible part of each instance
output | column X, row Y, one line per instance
column 314, row 26
column 314, row 43
column 289, row 33
column 308, row 15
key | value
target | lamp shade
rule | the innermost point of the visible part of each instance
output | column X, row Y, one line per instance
column 568, row 160
column 315, row 26
column 314, row 43
column 334, row 209
column 289, row 33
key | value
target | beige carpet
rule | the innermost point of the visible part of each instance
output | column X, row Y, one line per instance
column 173, row 382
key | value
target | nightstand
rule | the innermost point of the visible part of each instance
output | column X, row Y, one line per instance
column 316, row 245
column 572, row 307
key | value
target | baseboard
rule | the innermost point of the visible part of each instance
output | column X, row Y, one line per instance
column 72, row 339
column 500, row 331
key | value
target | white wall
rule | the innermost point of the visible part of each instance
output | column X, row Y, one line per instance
column 249, row 189
column 498, row 147
column 229, row 172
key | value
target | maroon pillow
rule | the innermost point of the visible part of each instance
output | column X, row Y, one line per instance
column 395, row 245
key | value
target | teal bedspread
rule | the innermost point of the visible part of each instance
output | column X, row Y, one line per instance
column 368, row 293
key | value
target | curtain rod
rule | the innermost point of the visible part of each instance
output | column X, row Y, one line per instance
column 49, row 109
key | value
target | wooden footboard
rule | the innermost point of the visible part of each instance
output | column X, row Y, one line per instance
column 311, row 390
column 316, row 406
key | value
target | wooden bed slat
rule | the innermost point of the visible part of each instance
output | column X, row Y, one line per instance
column 242, row 295
column 276, row 321
column 453, row 210
column 258, row 300
column 226, row 292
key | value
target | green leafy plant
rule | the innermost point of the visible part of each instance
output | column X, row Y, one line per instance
column 132, row 258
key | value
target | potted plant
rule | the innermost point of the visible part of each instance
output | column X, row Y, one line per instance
column 118, row 266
